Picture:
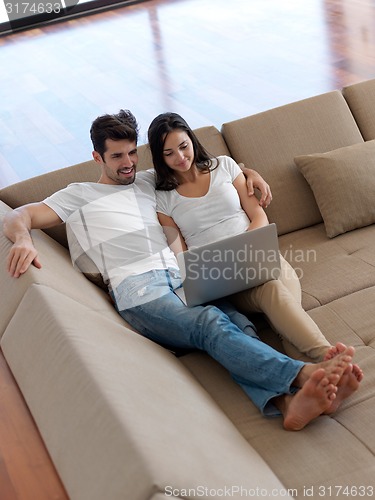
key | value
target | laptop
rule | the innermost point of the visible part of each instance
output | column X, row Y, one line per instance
column 229, row 266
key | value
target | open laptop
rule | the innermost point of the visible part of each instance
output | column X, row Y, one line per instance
column 229, row 265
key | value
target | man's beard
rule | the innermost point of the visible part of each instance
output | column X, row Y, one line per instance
column 124, row 181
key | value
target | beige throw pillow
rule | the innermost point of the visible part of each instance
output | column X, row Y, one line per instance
column 343, row 183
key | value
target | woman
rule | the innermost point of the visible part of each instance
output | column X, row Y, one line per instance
column 201, row 199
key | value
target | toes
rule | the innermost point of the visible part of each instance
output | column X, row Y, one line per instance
column 333, row 351
column 340, row 347
column 318, row 375
column 357, row 372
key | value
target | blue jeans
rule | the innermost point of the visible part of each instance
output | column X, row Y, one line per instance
column 153, row 309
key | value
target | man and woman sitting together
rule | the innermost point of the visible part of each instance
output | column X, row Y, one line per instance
column 138, row 222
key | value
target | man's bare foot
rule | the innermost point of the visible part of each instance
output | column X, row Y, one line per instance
column 334, row 351
column 319, row 385
column 316, row 397
column 348, row 383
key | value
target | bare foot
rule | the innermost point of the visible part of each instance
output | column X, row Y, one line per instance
column 358, row 373
column 334, row 368
column 319, row 385
column 334, row 351
column 348, row 383
column 316, row 397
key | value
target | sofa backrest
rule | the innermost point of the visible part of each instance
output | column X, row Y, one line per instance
column 38, row 188
column 269, row 141
column 361, row 100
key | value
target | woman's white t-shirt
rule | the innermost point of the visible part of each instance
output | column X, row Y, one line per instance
column 216, row 215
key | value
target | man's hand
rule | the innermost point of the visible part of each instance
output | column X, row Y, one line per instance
column 17, row 225
column 21, row 256
column 255, row 180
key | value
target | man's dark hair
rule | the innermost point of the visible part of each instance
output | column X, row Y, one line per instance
column 122, row 125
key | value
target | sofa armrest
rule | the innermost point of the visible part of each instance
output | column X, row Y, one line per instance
column 121, row 417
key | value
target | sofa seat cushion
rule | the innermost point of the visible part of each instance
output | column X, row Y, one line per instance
column 330, row 268
column 331, row 450
column 343, row 183
column 121, row 417
column 350, row 319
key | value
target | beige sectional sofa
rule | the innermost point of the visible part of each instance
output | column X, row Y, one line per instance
column 123, row 418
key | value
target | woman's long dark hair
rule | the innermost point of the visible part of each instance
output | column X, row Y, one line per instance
column 158, row 130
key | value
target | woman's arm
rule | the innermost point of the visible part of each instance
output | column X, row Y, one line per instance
column 250, row 204
column 173, row 234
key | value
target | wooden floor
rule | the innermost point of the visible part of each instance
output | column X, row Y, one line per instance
column 210, row 60
column 26, row 471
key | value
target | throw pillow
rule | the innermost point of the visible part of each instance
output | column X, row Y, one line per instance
column 343, row 183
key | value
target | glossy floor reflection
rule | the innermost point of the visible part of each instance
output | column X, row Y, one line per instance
column 210, row 60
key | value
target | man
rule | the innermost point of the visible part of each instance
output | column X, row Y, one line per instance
column 114, row 223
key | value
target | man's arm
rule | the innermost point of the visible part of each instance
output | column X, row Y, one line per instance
column 255, row 180
column 17, row 226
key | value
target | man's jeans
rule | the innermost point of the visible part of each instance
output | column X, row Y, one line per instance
column 148, row 303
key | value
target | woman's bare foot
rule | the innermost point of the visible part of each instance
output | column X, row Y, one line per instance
column 334, row 351
column 334, row 367
column 348, row 383
column 316, row 397
column 358, row 373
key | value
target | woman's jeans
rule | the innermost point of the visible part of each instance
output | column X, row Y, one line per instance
column 147, row 302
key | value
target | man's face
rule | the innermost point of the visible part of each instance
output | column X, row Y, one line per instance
column 119, row 162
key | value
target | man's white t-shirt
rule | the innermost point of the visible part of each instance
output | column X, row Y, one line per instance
column 115, row 225
column 212, row 217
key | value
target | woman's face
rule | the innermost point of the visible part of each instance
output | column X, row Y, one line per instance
column 178, row 151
